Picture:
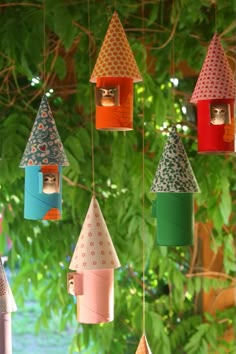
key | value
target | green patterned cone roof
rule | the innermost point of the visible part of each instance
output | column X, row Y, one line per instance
column 7, row 302
column 174, row 172
column 44, row 146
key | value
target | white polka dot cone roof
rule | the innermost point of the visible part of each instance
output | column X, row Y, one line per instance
column 94, row 249
column 143, row 347
column 44, row 146
column 7, row 302
column 174, row 172
column 216, row 80
column 116, row 58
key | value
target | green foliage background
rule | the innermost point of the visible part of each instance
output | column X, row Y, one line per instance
column 41, row 251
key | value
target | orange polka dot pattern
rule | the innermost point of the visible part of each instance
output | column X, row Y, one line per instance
column 94, row 249
column 116, row 58
column 216, row 79
column 143, row 347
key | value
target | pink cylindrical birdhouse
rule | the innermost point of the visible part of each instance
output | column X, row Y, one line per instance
column 94, row 261
column 7, row 305
column 214, row 95
column 114, row 73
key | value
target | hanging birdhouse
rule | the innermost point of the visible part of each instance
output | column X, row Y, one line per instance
column 174, row 184
column 43, row 159
column 7, row 305
column 93, row 261
column 143, row 347
column 214, row 95
column 114, row 73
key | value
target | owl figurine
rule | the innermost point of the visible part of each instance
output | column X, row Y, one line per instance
column 108, row 97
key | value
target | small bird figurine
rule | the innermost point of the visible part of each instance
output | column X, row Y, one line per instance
column 108, row 97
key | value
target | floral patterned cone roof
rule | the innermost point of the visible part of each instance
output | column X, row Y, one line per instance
column 94, row 249
column 44, row 146
column 143, row 347
column 116, row 58
column 216, row 79
column 174, row 172
column 7, row 302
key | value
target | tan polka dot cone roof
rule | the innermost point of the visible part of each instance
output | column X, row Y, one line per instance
column 116, row 58
column 7, row 302
column 216, row 79
column 143, row 347
column 94, row 249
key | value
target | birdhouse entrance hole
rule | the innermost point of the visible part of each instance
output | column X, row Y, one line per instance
column 220, row 113
column 107, row 96
column 51, row 179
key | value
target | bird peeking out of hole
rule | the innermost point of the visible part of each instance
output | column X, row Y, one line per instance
column 108, row 97
column 71, row 287
column 219, row 114
column 50, row 183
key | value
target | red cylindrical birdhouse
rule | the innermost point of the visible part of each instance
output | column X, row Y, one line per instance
column 114, row 74
column 214, row 95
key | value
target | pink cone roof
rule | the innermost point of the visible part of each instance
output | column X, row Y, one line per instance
column 143, row 347
column 174, row 172
column 216, row 79
column 7, row 302
column 44, row 146
column 94, row 249
column 116, row 58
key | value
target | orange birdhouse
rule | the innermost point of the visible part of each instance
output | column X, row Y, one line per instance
column 114, row 74
column 214, row 95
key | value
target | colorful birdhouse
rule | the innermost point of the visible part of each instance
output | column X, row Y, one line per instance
column 174, row 184
column 93, row 261
column 114, row 73
column 7, row 305
column 214, row 95
column 43, row 159
column 143, row 347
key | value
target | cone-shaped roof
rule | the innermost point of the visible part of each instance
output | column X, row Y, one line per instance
column 143, row 347
column 94, row 249
column 216, row 79
column 7, row 302
column 44, row 146
column 116, row 58
column 174, row 172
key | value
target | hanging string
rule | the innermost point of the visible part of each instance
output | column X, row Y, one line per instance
column 173, row 77
column 44, row 47
column 91, row 105
column 143, row 196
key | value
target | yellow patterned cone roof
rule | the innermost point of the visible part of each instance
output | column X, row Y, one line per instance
column 143, row 347
column 116, row 58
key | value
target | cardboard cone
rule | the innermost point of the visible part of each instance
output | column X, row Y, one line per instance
column 143, row 347
column 94, row 249
column 116, row 58
column 44, row 146
column 174, row 172
column 7, row 302
column 7, row 305
column 216, row 79
column 175, row 219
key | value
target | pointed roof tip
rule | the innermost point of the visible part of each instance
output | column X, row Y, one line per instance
column 7, row 301
column 216, row 79
column 44, row 146
column 94, row 249
column 116, row 58
column 143, row 347
column 174, row 172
